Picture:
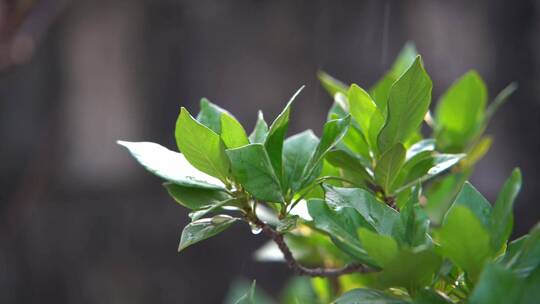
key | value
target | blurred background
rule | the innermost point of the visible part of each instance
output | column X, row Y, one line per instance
column 81, row 222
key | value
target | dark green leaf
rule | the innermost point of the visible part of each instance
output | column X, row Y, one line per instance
column 297, row 152
column 195, row 198
column 201, row 146
column 232, row 132
column 202, row 229
column 502, row 218
column 287, row 224
column 527, row 259
column 348, row 162
column 251, row 167
column 210, row 115
column 258, row 135
column 169, row 165
column 408, row 103
column 368, row 296
column 388, row 166
column 415, row 222
column 341, row 226
column 333, row 132
column 381, row 89
column 276, row 136
column 379, row 216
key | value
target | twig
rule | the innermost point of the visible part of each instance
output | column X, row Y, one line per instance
column 303, row 270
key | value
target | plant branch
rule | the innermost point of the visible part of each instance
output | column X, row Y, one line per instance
column 303, row 270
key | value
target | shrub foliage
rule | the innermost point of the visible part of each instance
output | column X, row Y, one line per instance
column 372, row 210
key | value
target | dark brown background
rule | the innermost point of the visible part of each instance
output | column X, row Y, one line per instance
column 80, row 222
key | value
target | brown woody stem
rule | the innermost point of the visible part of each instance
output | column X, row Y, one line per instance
column 299, row 269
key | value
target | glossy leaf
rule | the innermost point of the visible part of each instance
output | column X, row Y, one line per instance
column 258, row 135
column 341, row 226
column 232, row 132
column 333, row 132
column 425, row 145
column 201, row 146
column 381, row 89
column 297, row 151
column 210, row 115
column 202, row 229
column 252, row 168
column 195, row 198
column 388, row 166
column 527, row 258
column 276, row 135
column 414, row 222
column 378, row 215
column 429, row 296
column 502, row 218
column 497, row 285
column 169, row 165
column 408, row 102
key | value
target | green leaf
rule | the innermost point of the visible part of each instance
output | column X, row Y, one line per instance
column 232, row 203
column 202, row 229
column 287, row 224
column 249, row 297
column 251, row 167
column 382, row 248
column 465, row 241
column 341, row 225
column 410, row 268
column 169, row 165
column 408, row 103
column 210, row 115
column 258, row 135
column 415, row 222
column 331, row 85
column 201, row 146
column 379, row 216
column 276, row 135
column 362, row 108
column 440, row 195
column 527, row 258
column 232, row 132
column 340, row 107
column 502, row 218
column 367, row 296
column 475, row 201
column 425, row 145
column 349, row 163
column 461, row 108
column 195, row 198
column 297, row 151
column 425, row 168
column 497, row 285
column 381, row 89
column 333, row 132
column 388, row 166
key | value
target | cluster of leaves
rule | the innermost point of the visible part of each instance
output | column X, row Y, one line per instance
column 371, row 191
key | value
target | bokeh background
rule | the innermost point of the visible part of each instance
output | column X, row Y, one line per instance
column 81, row 222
